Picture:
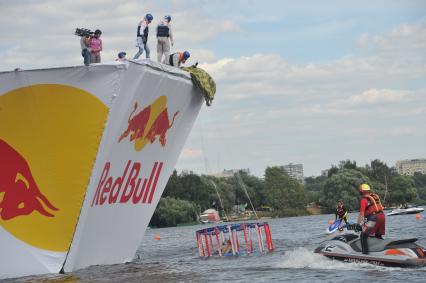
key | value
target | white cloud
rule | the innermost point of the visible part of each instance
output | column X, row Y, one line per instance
column 39, row 34
column 188, row 154
column 403, row 38
column 373, row 96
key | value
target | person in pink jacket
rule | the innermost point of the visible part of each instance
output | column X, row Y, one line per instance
column 96, row 47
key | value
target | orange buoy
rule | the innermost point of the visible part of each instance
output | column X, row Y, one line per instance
column 418, row 216
column 157, row 237
column 331, row 221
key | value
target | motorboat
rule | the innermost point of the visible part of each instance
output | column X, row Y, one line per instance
column 210, row 216
column 406, row 210
column 346, row 246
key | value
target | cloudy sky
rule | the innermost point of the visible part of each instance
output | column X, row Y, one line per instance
column 311, row 82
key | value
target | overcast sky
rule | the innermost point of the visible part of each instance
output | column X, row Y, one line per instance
column 311, row 82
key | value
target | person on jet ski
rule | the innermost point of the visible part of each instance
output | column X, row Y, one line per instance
column 370, row 208
column 341, row 212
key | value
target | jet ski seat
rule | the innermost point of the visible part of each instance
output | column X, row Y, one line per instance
column 401, row 242
column 374, row 244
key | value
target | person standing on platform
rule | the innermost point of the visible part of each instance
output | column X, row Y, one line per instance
column 164, row 39
column 142, row 39
column 96, row 47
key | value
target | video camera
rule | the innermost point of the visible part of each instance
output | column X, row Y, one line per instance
column 83, row 32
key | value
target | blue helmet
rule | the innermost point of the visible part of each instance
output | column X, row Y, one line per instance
column 149, row 17
column 122, row 54
column 168, row 18
column 186, row 55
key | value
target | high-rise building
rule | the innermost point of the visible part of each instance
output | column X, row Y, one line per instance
column 411, row 166
column 295, row 171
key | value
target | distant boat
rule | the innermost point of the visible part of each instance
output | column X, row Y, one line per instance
column 406, row 210
column 210, row 216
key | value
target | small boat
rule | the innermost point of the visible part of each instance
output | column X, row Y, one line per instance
column 210, row 216
column 406, row 210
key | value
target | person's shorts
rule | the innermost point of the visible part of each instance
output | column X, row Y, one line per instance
column 375, row 224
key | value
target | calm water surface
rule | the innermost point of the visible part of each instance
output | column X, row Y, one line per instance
column 174, row 258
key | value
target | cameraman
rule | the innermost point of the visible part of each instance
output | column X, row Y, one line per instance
column 85, row 48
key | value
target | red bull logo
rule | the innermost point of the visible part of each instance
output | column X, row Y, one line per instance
column 21, row 195
column 150, row 123
column 49, row 137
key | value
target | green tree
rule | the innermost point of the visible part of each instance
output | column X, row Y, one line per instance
column 343, row 186
column 314, row 187
column 420, row 184
column 282, row 191
column 171, row 211
column 402, row 190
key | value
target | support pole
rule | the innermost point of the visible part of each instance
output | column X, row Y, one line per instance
column 261, row 239
column 207, row 242
column 231, row 238
column 245, row 239
column 251, row 239
column 211, row 243
column 269, row 237
column 200, row 244
column 258, row 238
column 219, row 248
column 236, row 240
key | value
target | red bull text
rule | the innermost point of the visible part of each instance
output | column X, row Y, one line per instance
column 21, row 194
column 129, row 187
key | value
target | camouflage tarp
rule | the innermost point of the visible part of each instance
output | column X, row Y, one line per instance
column 204, row 82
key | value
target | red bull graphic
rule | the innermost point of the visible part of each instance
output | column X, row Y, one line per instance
column 21, row 195
column 129, row 187
column 149, row 124
column 49, row 138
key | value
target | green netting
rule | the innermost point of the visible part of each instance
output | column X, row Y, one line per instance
column 204, row 82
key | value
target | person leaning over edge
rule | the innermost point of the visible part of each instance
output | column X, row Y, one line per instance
column 142, row 39
column 371, row 208
column 121, row 57
column 178, row 58
column 164, row 39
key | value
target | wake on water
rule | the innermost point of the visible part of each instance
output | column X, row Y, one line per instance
column 302, row 258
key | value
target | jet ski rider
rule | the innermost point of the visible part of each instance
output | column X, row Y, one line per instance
column 341, row 212
column 371, row 208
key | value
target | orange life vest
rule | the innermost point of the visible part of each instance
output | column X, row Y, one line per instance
column 374, row 205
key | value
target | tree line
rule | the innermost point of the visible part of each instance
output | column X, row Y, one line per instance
column 188, row 194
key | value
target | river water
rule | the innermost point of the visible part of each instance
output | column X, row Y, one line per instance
column 174, row 258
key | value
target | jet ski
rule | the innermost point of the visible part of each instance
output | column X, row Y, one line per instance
column 333, row 226
column 336, row 226
column 346, row 246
